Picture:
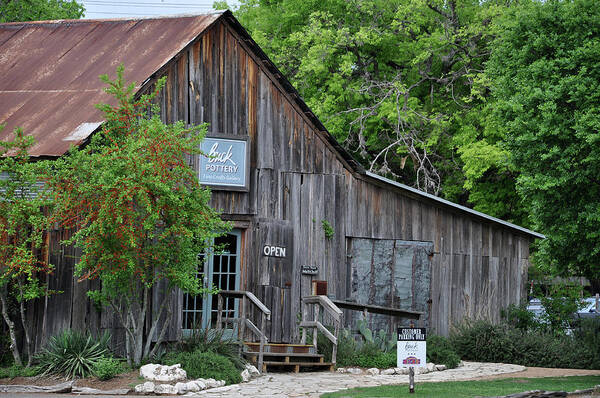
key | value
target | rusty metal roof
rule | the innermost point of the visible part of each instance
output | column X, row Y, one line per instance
column 49, row 70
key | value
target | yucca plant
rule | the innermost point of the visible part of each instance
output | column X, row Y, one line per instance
column 73, row 354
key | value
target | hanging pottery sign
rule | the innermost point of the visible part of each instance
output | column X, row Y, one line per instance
column 224, row 163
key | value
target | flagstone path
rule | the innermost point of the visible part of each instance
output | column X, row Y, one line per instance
column 313, row 384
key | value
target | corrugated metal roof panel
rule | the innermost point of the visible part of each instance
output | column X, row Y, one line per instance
column 49, row 82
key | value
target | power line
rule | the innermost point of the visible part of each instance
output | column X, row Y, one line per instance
column 125, row 14
column 144, row 3
column 153, row 6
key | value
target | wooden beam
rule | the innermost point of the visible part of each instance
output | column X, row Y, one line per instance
column 376, row 309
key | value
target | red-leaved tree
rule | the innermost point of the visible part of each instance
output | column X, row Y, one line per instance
column 137, row 211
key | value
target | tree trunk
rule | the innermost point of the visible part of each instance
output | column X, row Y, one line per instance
column 26, row 330
column 11, row 328
column 138, row 344
column 163, row 305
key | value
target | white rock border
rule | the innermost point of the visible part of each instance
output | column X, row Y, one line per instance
column 431, row 367
column 155, row 372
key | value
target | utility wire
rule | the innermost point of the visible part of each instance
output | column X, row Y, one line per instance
column 144, row 3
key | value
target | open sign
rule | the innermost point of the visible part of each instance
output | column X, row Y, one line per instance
column 274, row 251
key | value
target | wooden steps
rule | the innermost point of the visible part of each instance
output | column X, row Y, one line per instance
column 287, row 357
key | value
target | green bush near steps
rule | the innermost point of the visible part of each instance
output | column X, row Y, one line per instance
column 107, row 368
column 205, row 365
column 214, row 340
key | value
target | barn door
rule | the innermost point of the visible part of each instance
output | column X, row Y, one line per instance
column 275, row 264
column 390, row 273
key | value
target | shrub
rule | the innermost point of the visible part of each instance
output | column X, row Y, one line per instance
column 18, row 371
column 213, row 340
column 440, row 351
column 376, row 359
column 486, row 342
column 520, row 317
column 6, row 357
column 205, row 365
column 108, row 367
column 588, row 334
column 347, row 349
column 481, row 341
column 561, row 302
column 367, row 353
column 73, row 354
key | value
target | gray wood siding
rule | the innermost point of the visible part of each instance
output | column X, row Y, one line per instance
column 478, row 268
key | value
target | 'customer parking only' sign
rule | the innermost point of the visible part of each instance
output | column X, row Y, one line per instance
column 412, row 347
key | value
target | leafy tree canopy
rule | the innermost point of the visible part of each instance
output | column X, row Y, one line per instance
column 39, row 10
column 23, row 220
column 545, row 80
column 397, row 83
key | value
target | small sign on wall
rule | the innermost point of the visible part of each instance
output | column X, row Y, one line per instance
column 412, row 347
column 225, row 162
column 310, row 270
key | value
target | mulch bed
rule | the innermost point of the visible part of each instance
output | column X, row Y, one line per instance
column 125, row 380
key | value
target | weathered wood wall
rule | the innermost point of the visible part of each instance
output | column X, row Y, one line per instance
column 297, row 180
column 389, row 273
column 478, row 267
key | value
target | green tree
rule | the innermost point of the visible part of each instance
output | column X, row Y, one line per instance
column 545, row 81
column 38, row 10
column 138, row 213
column 394, row 82
column 23, row 220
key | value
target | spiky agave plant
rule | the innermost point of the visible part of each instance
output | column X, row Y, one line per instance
column 73, row 354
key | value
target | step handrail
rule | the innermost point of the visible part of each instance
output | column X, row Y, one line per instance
column 332, row 310
column 243, row 321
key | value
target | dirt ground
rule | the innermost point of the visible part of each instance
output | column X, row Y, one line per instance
column 125, row 380
column 531, row 372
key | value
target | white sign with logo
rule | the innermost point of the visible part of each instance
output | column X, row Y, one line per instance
column 224, row 163
column 412, row 347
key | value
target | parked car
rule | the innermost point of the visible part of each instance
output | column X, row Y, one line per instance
column 535, row 306
column 590, row 310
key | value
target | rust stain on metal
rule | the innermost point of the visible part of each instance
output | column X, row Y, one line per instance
column 49, row 82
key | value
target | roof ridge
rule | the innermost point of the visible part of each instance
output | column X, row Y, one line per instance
column 125, row 19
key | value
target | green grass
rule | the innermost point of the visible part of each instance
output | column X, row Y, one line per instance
column 465, row 389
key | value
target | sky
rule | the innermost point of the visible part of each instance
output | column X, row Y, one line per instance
column 141, row 8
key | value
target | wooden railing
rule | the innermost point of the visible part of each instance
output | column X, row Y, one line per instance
column 242, row 321
column 377, row 309
column 332, row 310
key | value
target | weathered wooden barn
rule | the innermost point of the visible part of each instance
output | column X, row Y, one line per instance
column 303, row 209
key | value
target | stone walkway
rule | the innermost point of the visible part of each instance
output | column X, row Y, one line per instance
column 312, row 385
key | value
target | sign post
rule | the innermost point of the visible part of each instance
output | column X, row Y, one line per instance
column 412, row 352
